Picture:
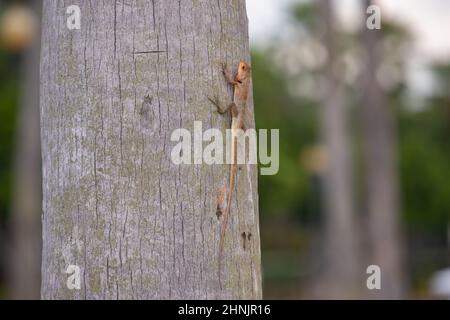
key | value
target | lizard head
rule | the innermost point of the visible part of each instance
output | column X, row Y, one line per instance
column 244, row 71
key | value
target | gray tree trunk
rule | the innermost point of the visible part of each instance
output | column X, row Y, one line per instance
column 341, row 276
column 137, row 225
column 24, row 264
column 381, row 176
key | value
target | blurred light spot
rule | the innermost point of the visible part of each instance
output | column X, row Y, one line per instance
column 18, row 28
column 440, row 284
column 315, row 159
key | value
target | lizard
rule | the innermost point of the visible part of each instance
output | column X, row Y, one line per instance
column 237, row 108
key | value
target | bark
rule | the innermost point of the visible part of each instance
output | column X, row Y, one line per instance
column 139, row 226
column 24, row 264
column 340, row 277
column 381, row 176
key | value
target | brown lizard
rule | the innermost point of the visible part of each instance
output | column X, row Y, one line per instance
column 241, row 86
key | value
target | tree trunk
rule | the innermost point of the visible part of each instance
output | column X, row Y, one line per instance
column 115, row 205
column 24, row 265
column 381, row 176
column 341, row 268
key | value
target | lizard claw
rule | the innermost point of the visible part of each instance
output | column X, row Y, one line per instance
column 224, row 68
column 215, row 101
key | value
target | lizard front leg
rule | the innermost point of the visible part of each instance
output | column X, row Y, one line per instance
column 227, row 75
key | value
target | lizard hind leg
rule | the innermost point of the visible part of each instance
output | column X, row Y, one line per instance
column 221, row 202
column 220, row 108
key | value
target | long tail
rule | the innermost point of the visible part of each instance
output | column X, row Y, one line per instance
column 227, row 209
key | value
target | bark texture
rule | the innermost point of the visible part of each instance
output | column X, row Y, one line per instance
column 137, row 225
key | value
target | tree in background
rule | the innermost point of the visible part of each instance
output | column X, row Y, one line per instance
column 379, row 154
column 342, row 269
column 20, row 196
column 24, row 263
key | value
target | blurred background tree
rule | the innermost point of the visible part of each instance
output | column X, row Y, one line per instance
column 287, row 95
column 20, row 34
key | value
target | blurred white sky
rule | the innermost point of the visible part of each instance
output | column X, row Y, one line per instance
column 266, row 17
column 428, row 20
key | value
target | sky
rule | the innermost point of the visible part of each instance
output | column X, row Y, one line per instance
column 429, row 21
column 266, row 17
